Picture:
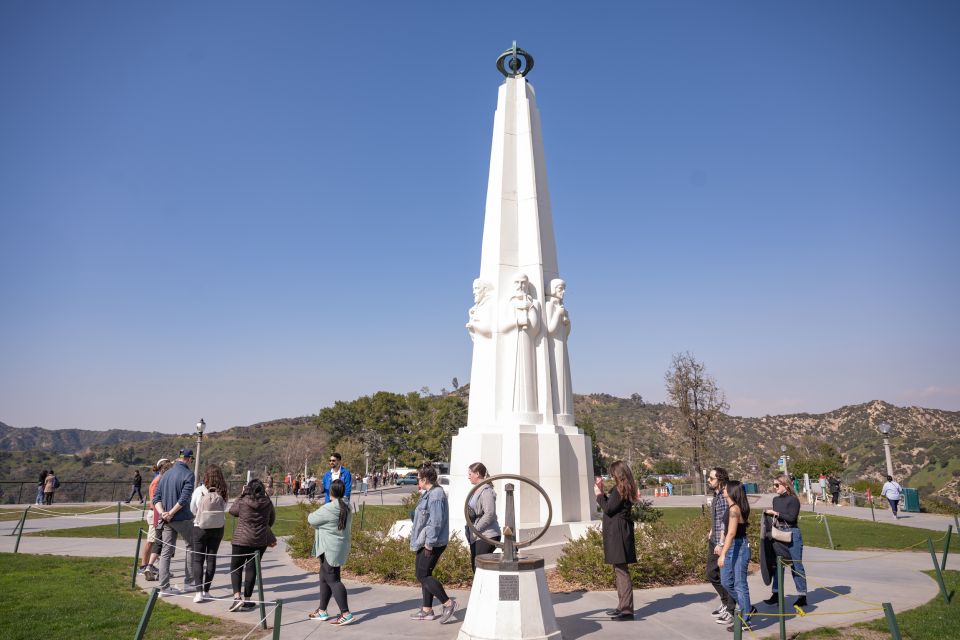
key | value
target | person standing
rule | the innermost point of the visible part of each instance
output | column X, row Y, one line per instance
column 428, row 538
column 137, row 481
column 50, row 485
column 891, row 491
column 269, row 484
column 331, row 546
column 151, row 553
column 172, row 501
column 337, row 472
column 41, row 481
column 786, row 510
column 834, row 483
column 207, row 504
column 735, row 554
column 619, row 548
column 483, row 514
column 255, row 515
column 717, row 480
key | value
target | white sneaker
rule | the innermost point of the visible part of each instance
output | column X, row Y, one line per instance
column 724, row 618
column 206, row 595
column 198, row 597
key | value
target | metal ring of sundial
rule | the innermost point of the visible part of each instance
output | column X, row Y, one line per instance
column 515, row 53
column 507, row 476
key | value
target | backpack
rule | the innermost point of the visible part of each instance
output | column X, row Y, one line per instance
column 56, row 482
column 210, row 511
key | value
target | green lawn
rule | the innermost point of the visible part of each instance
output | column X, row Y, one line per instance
column 933, row 621
column 851, row 533
column 89, row 599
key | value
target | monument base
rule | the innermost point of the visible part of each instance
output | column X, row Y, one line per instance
column 558, row 458
column 509, row 603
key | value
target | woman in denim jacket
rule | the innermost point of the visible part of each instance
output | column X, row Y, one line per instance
column 428, row 538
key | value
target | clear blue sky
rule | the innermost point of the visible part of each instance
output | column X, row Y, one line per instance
column 248, row 210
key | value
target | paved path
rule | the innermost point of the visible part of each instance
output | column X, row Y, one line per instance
column 665, row 613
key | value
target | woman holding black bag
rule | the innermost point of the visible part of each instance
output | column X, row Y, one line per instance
column 786, row 511
column 619, row 548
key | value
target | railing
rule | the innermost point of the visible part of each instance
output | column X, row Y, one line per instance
column 25, row 492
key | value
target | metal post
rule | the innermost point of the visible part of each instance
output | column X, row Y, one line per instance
column 20, row 493
column 136, row 559
column 936, row 566
column 780, row 605
column 277, row 612
column 509, row 532
column 361, row 515
column 737, row 624
column 829, row 537
column 118, row 519
column 146, row 614
column 263, row 607
column 891, row 621
column 23, row 520
column 83, row 498
column 113, row 492
column 872, row 514
column 19, row 525
column 946, row 549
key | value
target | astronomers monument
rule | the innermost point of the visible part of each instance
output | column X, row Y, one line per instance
column 520, row 417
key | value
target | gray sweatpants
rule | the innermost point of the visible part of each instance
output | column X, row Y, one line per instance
column 169, row 535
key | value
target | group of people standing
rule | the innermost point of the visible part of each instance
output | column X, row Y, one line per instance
column 47, row 484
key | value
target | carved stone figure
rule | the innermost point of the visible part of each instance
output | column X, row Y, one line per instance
column 524, row 319
column 480, row 320
column 558, row 329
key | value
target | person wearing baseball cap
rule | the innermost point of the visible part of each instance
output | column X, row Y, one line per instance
column 172, row 502
column 151, row 550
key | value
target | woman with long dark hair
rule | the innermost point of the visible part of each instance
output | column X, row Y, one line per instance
column 331, row 545
column 786, row 511
column 619, row 548
column 207, row 504
column 735, row 555
column 252, row 536
column 483, row 514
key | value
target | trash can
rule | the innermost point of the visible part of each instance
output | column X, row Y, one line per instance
column 911, row 500
column 751, row 487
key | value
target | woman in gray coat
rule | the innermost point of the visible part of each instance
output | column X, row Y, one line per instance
column 619, row 548
column 483, row 514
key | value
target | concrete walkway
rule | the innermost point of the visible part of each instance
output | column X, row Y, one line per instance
column 861, row 581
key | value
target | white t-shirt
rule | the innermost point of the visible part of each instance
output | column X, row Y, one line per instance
column 891, row 490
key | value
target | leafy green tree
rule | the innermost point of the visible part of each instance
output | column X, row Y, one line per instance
column 599, row 460
column 667, row 467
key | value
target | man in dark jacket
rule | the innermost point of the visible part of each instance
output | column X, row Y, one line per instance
column 137, row 483
column 172, row 500
column 834, row 484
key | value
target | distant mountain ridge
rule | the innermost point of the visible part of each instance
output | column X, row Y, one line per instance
column 66, row 440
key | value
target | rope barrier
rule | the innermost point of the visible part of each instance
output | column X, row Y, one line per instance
column 222, row 555
column 875, row 555
column 261, row 621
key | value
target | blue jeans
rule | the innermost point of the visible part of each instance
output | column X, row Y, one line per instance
column 792, row 559
column 733, row 573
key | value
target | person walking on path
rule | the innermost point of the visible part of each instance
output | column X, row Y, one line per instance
column 331, row 545
column 735, row 554
column 891, row 491
column 428, row 538
column 337, row 472
column 255, row 515
column 137, row 481
column 619, row 548
column 172, row 501
column 40, row 483
column 269, row 486
column 207, row 504
column 786, row 510
column 717, row 480
column 151, row 553
column 483, row 514
column 50, row 485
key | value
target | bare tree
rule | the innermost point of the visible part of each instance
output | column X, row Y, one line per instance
column 700, row 401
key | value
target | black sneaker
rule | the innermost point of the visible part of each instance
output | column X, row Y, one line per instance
column 612, row 612
column 236, row 604
column 772, row 599
column 801, row 601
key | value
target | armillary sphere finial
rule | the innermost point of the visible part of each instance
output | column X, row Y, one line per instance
column 514, row 53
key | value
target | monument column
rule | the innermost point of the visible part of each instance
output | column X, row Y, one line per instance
column 520, row 416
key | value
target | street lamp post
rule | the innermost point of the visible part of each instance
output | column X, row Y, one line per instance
column 783, row 452
column 196, row 459
column 885, row 430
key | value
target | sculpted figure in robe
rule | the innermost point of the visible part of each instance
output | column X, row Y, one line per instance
column 558, row 329
column 524, row 319
column 480, row 321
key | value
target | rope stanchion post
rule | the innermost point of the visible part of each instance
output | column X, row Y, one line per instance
column 826, row 525
column 147, row 611
column 23, row 522
column 780, row 605
column 263, row 608
column 277, row 613
column 737, row 626
column 872, row 514
column 891, row 621
column 936, row 567
column 946, row 548
column 136, row 559
column 23, row 519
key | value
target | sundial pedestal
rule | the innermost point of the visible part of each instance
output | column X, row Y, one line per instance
column 509, row 601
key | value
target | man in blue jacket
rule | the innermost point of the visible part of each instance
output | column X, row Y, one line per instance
column 336, row 471
column 172, row 501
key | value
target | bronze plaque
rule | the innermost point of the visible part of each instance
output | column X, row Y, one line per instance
column 509, row 588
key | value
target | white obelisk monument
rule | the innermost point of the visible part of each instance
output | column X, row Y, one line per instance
column 521, row 402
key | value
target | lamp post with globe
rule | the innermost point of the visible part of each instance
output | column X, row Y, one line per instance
column 885, row 429
column 196, row 459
